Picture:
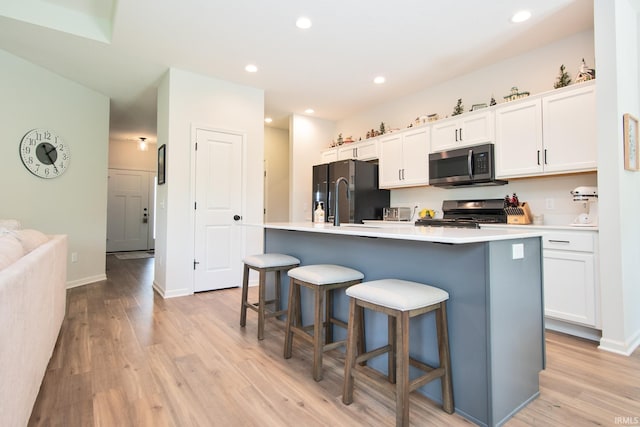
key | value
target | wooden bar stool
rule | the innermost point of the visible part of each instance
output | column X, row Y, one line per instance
column 322, row 279
column 263, row 264
column 400, row 300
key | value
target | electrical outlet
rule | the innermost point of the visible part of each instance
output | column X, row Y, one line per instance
column 550, row 204
column 517, row 251
column 74, row 256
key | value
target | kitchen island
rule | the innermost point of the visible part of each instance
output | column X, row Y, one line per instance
column 495, row 307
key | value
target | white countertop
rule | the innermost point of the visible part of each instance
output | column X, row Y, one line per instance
column 542, row 227
column 425, row 234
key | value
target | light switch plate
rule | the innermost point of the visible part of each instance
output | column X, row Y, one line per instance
column 517, row 251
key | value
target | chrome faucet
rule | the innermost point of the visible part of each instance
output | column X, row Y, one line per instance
column 336, row 213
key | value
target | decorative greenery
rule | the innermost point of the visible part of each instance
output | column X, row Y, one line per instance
column 382, row 129
column 459, row 108
column 563, row 78
column 493, row 101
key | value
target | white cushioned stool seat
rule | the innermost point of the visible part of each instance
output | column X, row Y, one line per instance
column 324, row 274
column 270, row 260
column 398, row 294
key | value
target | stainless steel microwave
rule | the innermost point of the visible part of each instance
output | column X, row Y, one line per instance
column 465, row 166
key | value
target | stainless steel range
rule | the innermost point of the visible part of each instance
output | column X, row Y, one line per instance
column 468, row 214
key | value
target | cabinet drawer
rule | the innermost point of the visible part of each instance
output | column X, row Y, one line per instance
column 582, row 242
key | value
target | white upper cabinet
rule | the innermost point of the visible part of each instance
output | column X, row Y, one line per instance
column 362, row 150
column 547, row 134
column 328, row 156
column 404, row 159
column 519, row 139
column 390, row 163
column 466, row 129
column 569, row 130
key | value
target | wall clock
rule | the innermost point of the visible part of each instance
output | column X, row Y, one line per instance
column 44, row 153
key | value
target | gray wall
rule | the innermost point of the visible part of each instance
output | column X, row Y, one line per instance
column 75, row 203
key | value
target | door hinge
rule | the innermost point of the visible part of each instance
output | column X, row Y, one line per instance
column 195, row 263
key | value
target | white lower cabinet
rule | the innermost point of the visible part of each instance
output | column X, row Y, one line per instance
column 571, row 291
column 571, row 280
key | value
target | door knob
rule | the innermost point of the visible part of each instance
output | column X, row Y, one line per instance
column 237, row 217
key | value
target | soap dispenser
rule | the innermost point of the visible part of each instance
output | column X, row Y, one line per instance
column 318, row 215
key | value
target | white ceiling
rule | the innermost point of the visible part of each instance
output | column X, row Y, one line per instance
column 122, row 48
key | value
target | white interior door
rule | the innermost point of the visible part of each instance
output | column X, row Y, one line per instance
column 218, row 210
column 128, row 211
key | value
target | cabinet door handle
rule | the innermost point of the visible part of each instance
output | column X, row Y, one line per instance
column 538, row 157
column 460, row 134
column 456, row 135
column 355, row 152
column 403, row 174
column 399, row 174
column 559, row 241
column 545, row 156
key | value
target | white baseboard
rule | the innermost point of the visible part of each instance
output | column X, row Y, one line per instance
column 572, row 329
column 172, row 294
column 621, row 347
column 86, row 281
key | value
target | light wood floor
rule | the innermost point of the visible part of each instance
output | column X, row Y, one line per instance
column 126, row 357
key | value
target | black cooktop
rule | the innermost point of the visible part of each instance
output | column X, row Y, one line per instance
column 468, row 214
column 462, row 223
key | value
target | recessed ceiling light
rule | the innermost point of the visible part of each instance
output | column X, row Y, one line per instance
column 521, row 16
column 379, row 80
column 303, row 23
column 251, row 68
column 309, row 111
column 268, row 120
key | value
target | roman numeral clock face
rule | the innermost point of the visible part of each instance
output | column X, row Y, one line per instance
column 44, row 153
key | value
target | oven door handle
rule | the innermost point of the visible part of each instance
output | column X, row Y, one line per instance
column 470, row 163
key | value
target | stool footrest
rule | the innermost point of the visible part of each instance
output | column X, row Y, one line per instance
column 268, row 312
column 275, row 313
column 256, row 304
column 374, row 379
column 373, row 353
column 333, row 345
column 303, row 333
column 338, row 322
column 424, row 379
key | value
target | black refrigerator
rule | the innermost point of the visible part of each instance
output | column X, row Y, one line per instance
column 365, row 200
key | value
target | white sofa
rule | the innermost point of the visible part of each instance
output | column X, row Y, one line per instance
column 32, row 308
